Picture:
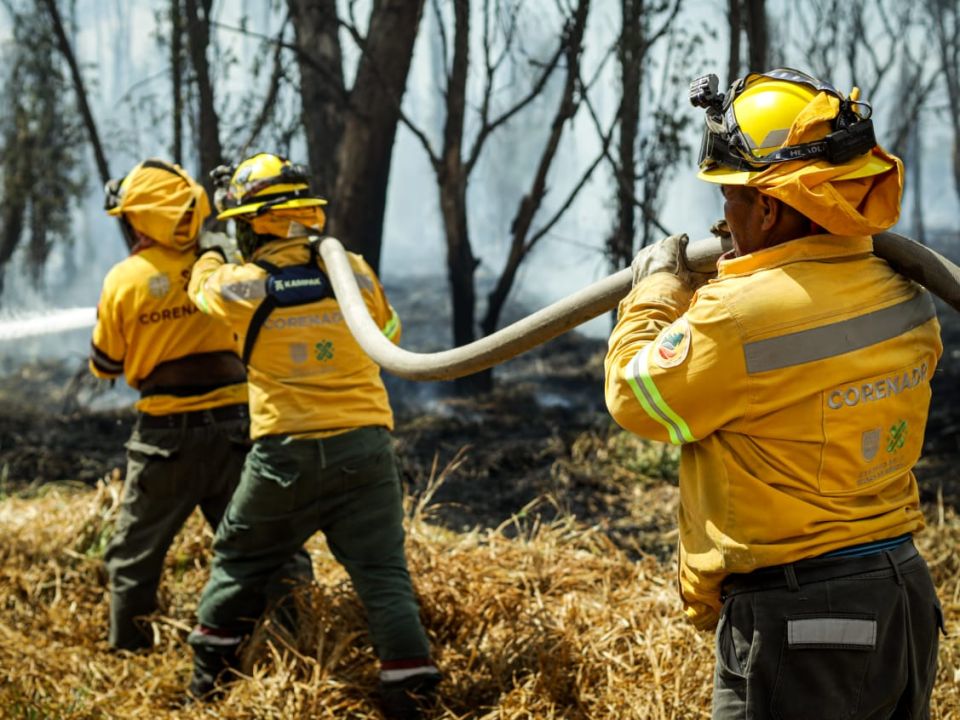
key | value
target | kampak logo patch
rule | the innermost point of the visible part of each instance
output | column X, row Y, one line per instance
column 672, row 345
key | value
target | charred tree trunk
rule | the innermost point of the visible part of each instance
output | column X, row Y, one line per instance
column 461, row 264
column 630, row 56
column 916, row 177
column 16, row 182
column 322, row 90
column 735, row 23
column 198, row 34
column 176, row 77
column 757, row 35
column 367, row 146
column 452, row 178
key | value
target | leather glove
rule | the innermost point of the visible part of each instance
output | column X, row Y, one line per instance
column 720, row 229
column 221, row 176
column 667, row 256
column 221, row 243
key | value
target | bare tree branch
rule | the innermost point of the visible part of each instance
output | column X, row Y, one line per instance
column 81, row 92
column 334, row 82
column 521, row 243
column 273, row 90
column 67, row 51
column 417, row 132
column 537, row 88
column 442, row 29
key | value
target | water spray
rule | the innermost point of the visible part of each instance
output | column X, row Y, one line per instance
column 18, row 326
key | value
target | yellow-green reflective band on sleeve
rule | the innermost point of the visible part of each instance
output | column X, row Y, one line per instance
column 201, row 301
column 637, row 375
column 391, row 328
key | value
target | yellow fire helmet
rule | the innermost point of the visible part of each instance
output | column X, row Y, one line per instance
column 749, row 128
column 261, row 183
column 799, row 140
column 160, row 200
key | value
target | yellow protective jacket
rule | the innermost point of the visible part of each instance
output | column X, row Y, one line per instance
column 798, row 384
column 307, row 374
column 145, row 318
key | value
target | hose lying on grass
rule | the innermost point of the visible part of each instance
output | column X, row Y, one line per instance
column 908, row 257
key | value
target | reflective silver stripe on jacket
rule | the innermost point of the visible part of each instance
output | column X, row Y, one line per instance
column 103, row 362
column 838, row 338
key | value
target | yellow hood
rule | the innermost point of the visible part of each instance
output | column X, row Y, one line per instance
column 164, row 203
column 843, row 199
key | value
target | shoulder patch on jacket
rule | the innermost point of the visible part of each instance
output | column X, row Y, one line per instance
column 672, row 344
column 245, row 290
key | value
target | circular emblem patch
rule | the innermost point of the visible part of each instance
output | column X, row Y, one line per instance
column 672, row 345
column 158, row 285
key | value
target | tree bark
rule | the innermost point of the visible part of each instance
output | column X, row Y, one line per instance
column 630, row 54
column 916, row 180
column 452, row 180
column 198, row 34
column 757, row 35
column 735, row 23
column 176, row 77
column 367, row 147
column 322, row 90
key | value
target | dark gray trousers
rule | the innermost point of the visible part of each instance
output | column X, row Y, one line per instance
column 858, row 646
column 170, row 471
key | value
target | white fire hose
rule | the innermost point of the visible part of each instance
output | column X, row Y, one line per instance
column 910, row 258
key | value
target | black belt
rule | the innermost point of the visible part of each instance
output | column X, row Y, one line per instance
column 194, row 418
column 813, row 570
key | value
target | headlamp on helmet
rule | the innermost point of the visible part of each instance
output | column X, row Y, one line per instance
column 727, row 143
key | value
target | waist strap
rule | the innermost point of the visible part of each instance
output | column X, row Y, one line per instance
column 195, row 374
column 194, row 418
column 818, row 569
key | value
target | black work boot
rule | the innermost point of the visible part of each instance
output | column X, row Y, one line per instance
column 133, row 638
column 213, row 657
column 405, row 699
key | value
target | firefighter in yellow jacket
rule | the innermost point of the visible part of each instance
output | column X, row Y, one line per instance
column 797, row 383
column 188, row 443
column 322, row 457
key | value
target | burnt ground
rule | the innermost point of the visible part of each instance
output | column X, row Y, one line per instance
column 542, row 438
column 530, row 441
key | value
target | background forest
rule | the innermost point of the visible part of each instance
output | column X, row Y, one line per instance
column 488, row 156
column 503, row 148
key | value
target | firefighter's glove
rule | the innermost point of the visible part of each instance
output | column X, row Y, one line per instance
column 221, row 176
column 669, row 256
column 219, row 242
column 720, row 228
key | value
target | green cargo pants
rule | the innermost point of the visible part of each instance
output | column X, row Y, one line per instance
column 170, row 471
column 345, row 486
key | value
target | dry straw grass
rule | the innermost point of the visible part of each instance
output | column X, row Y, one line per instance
column 528, row 621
